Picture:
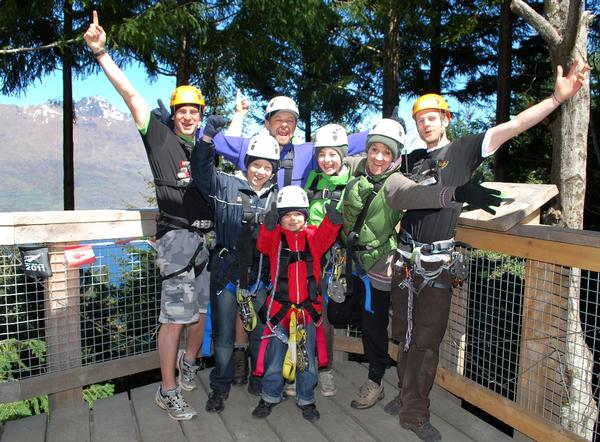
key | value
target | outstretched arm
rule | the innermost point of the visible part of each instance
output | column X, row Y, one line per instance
column 242, row 105
column 95, row 38
column 564, row 88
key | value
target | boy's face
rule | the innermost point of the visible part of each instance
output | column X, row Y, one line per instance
column 282, row 125
column 329, row 161
column 258, row 173
column 379, row 158
column 292, row 221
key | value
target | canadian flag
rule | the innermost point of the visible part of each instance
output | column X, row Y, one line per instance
column 77, row 256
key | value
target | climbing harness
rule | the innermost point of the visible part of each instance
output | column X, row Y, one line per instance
column 411, row 265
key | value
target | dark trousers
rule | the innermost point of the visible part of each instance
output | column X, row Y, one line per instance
column 417, row 366
column 374, row 325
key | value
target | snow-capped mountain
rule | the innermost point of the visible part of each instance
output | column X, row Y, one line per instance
column 111, row 168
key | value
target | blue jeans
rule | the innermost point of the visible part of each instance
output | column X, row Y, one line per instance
column 306, row 381
column 223, row 313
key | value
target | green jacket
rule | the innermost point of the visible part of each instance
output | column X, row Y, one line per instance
column 378, row 232
column 316, row 183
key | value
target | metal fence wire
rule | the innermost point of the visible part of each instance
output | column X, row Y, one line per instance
column 529, row 331
column 525, row 329
column 80, row 315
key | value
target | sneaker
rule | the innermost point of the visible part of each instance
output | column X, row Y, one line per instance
column 424, row 430
column 326, row 383
column 216, row 401
column 263, row 409
column 240, row 366
column 175, row 404
column 310, row 412
column 187, row 373
column 289, row 389
column 367, row 395
column 393, row 406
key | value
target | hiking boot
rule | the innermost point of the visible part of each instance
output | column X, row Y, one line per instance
column 368, row 394
column 393, row 406
column 289, row 389
column 216, row 401
column 424, row 430
column 310, row 412
column 175, row 404
column 263, row 409
column 187, row 373
column 326, row 383
column 240, row 366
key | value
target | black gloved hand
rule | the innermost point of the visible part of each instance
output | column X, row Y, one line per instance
column 163, row 114
column 271, row 217
column 334, row 216
column 478, row 196
column 213, row 125
column 398, row 118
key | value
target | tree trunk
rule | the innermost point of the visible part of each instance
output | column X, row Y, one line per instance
column 501, row 158
column 391, row 60
column 67, row 61
column 566, row 32
column 435, row 59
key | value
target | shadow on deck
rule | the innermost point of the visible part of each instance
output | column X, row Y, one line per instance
column 135, row 417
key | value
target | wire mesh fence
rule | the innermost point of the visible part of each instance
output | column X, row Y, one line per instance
column 528, row 330
column 80, row 315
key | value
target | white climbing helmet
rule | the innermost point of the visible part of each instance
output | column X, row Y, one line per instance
column 388, row 132
column 334, row 136
column 281, row 103
column 292, row 198
column 263, row 146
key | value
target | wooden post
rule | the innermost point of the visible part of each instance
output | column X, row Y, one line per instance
column 63, row 330
column 542, row 339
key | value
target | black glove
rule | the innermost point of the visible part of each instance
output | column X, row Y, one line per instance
column 334, row 216
column 397, row 118
column 163, row 114
column 213, row 125
column 478, row 196
column 271, row 217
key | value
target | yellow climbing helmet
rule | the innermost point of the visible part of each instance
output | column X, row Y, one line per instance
column 187, row 95
column 430, row 101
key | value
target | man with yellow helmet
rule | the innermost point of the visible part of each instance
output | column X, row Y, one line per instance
column 184, row 228
column 449, row 163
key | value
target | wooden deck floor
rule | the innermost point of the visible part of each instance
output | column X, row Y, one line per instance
column 135, row 417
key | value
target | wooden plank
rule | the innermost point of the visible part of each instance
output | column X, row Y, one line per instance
column 27, row 429
column 69, row 424
column 528, row 198
column 196, row 429
column 112, row 420
column 381, row 421
column 569, row 255
column 446, row 408
column 77, row 377
column 507, row 411
column 237, row 416
column 372, row 422
column 154, row 424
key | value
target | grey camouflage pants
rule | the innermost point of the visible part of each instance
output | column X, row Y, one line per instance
column 186, row 295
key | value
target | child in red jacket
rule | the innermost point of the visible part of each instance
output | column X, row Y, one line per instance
column 293, row 308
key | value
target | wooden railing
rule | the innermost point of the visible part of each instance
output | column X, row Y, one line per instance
column 536, row 244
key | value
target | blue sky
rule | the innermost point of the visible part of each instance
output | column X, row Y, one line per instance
column 50, row 87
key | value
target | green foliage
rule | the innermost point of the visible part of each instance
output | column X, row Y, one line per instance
column 30, row 407
column 97, row 391
column 503, row 264
column 10, row 355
